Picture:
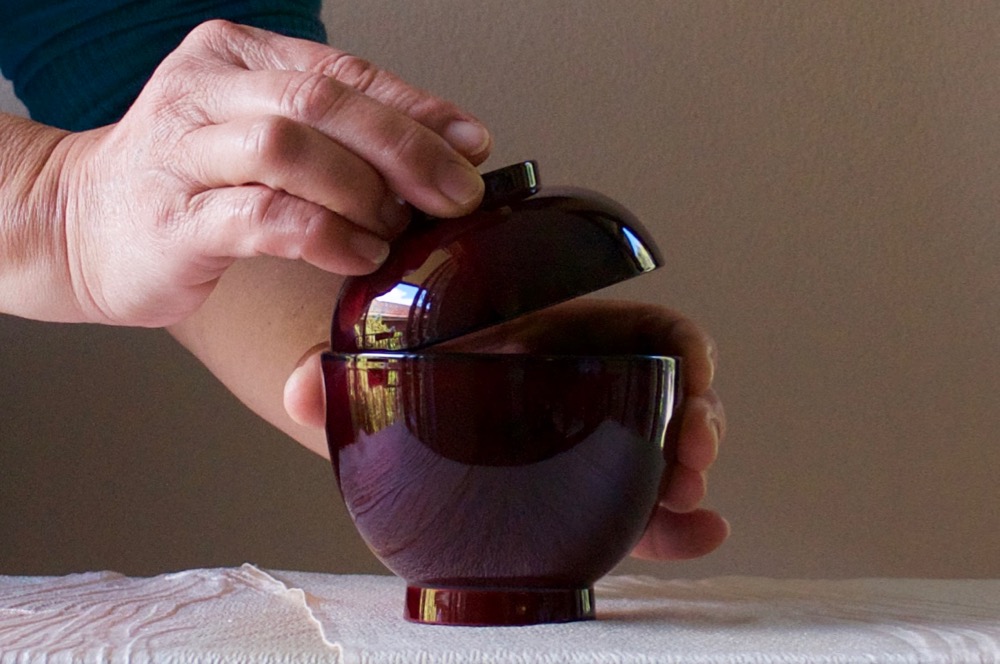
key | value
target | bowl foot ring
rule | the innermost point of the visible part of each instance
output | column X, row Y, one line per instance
column 500, row 606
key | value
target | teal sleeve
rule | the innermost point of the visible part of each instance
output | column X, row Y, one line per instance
column 79, row 64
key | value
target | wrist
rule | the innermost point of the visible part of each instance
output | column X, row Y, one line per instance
column 34, row 276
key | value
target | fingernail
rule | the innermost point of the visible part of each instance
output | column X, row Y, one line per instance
column 713, row 361
column 462, row 184
column 469, row 138
column 300, row 395
column 369, row 247
column 716, row 429
column 395, row 214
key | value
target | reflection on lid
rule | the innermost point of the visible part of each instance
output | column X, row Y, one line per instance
column 400, row 318
column 448, row 277
column 639, row 249
column 387, row 316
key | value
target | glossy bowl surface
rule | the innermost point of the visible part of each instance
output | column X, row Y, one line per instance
column 445, row 278
column 500, row 487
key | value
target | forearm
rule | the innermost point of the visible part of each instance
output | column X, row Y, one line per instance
column 263, row 316
column 33, row 277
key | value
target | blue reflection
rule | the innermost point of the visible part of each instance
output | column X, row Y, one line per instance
column 402, row 293
column 639, row 250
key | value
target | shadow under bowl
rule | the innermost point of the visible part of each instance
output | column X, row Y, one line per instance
column 499, row 487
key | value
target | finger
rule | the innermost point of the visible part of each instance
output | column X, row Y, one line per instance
column 252, row 48
column 462, row 131
column 671, row 536
column 304, row 398
column 683, row 489
column 417, row 162
column 702, row 428
column 294, row 158
column 253, row 220
column 675, row 334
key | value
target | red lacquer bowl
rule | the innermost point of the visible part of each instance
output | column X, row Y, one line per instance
column 500, row 487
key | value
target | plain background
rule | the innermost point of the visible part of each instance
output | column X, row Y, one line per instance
column 824, row 178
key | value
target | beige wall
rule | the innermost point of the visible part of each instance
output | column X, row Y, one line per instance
column 824, row 178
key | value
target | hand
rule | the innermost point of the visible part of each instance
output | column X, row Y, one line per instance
column 247, row 143
column 679, row 529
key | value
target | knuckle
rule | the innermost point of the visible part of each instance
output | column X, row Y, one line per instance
column 409, row 145
column 351, row 70
column 310, row 96
column 256, row 210
column 273, row 140
column 211, row 34
column 262, row 220
column 417, row 103
column 367, row 78
column 177, row 84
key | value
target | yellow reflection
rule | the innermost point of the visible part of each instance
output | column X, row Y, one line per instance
column 377, row 334
column 428, row 605
column 374, row 390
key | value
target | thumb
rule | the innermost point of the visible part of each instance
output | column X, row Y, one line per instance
column 304, row 399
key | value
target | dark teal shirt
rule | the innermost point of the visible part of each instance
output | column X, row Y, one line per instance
column 79, row 64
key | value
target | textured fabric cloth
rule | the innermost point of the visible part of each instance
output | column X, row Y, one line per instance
column 79, row 64
column 255, row 616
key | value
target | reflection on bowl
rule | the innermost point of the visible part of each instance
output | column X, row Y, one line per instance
column 500, row 487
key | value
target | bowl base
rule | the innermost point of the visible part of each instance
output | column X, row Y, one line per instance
column 498, row 607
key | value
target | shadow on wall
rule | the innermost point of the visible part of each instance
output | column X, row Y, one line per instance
column 119, row 451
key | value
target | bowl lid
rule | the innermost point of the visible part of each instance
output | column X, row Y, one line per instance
column 525, row 248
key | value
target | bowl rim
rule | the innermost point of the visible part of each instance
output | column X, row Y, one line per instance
column 495, row 356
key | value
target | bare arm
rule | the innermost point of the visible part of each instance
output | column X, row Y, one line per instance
column 263, row 319
column 32, row 283
column 264, row 315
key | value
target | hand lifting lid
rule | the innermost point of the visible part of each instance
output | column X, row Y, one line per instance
column 525, row 248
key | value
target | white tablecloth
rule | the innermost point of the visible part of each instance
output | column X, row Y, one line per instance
column 251, row 615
